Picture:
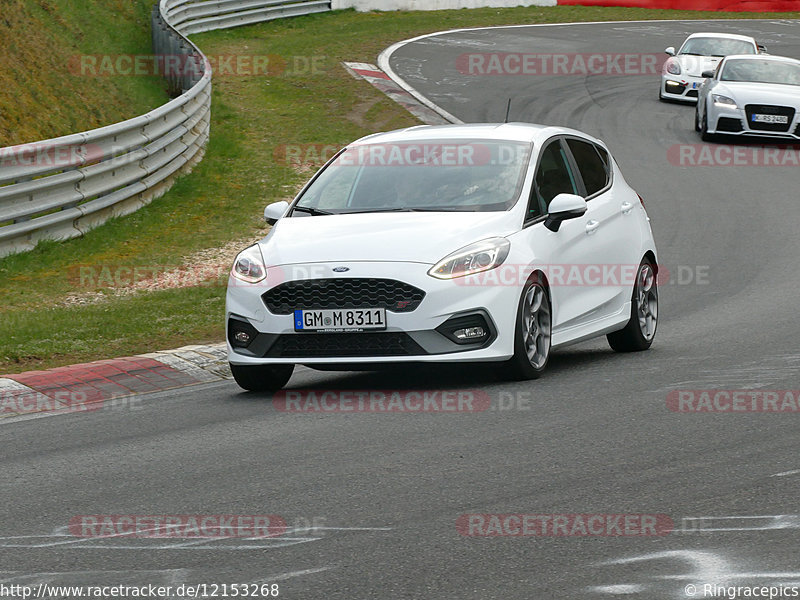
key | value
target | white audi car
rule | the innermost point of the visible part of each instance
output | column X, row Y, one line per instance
column 751, row 96
column 681, row 75
column 460, row 243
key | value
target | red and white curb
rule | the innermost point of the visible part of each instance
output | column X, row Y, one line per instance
column 87, row 386
column 378, row 78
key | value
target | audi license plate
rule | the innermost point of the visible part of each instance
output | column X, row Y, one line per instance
column 340, row 320
column 782, row 119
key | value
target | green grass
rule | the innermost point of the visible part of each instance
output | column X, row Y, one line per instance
column 223, row 198
column 41, row 96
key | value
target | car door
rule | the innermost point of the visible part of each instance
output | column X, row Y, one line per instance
column 577, row 244
column 617, row 232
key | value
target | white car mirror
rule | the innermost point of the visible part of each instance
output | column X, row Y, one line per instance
column 275, row 211
column 562, row 208
column 670, row 50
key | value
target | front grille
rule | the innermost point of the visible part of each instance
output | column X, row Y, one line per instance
column 729, row 124
column 316, row 294
column 338, row 345
column 692, row 94
column 797, row 130
column 766, row 109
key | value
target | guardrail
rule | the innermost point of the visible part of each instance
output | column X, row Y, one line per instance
column 62, row 187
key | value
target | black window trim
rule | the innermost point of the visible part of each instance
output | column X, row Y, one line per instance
column 570, row 163
column 607, row 163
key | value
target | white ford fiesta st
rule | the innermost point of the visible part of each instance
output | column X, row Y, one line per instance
column 751, row 96
column 682, row 73
column 457, row 243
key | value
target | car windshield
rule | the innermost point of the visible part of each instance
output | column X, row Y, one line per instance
column 430, row 175
column 711, row 46
column 761, row 71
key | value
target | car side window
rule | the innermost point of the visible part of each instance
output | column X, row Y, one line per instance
column 593, row 165
column 553, row 177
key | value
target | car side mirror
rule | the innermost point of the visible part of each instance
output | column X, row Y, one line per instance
column 670, row 50
column 275, row 211
column 562, row 208
column 762, row 49
column 707, row 74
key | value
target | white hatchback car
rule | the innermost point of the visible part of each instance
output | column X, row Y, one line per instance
column 682, row 74
column 451, row 243
column 751, row 96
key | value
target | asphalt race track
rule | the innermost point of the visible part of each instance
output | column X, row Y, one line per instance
column 595, row 435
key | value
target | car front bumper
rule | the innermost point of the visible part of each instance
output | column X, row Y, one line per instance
column 419, row 335
column 680, row 87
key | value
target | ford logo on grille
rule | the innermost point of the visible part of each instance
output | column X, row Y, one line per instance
column 341, row 269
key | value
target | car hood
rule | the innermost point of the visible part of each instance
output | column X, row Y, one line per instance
column 404, row 237
column 695, row 65
column 760, row 93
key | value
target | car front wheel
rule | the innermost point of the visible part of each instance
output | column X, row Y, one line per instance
column 704, row 134
column 640, row 331
column 262, row 378
column 532, row 333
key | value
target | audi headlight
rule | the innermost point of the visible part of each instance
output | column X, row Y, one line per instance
column 249, row 265
column 673, row 67
column 475, row 258
column 723, row 101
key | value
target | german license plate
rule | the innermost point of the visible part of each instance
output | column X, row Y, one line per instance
column 340, row 320
column 783, row 119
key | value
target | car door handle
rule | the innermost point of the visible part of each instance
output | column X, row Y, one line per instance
column 592, row 226
column 626, row 208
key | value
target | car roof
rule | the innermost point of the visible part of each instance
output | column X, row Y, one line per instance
column 729, row 36
column 769, row 57
column 508, row 132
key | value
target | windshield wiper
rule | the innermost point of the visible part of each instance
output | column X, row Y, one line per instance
column 311, row 211
column 692, row 54
column 378, row 210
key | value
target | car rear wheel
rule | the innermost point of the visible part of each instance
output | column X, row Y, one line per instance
column 697, row 119
column 532, row 334
column 262, row 378
column 640, row 331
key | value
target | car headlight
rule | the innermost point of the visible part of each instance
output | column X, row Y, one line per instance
column 673, row 67
column 723, row 101
column 249, row 265
column 475, row 258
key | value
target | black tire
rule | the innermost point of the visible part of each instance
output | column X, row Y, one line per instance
column 704, row 135
column 696, row 119
column 262, row 378
column 640, row 331
column 522, row 366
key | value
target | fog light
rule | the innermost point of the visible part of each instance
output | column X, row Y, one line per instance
column 673, row 87
column 470, row 333
column 240, row 333
column 468, row 329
